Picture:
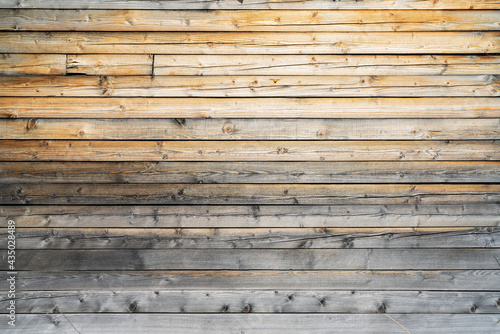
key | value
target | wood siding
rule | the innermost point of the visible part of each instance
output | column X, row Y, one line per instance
column 251, row 166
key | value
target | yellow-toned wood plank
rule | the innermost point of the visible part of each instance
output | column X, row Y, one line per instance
column 110, row 64
column 32, row 64
column 324, row 65
column 251, row 20
column 251, row 42
column 85, row 150
column 252, row 86
column 439, row 107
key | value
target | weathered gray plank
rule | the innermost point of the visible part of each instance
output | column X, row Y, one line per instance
column 324, row 64
column 250, row 4
column 252, row 86
column 263, row 238
column 254, row 301
column 252, row 129
column 278, row 20
column 256, row 259
column 251, row 172
column 251, row 42
column 88, row 150
column 118, row 194
column 254, row 323
column 32, row 64
column 442, row 107
column 411, row 280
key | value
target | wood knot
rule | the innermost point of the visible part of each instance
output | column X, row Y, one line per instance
column 132, row 307
column 228, row 128
column 247, row 308
column 382, row 309
column 32, row 123
column 282, row 150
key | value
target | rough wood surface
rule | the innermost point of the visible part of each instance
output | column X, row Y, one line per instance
column 256, row 259
column 255, row 216
column 32, row 64
column 263, row 238
column 251, row 172
column 324, row 65
column 389, row 280
column 105, row 64
column 255, row 301
column 251, row 4
column 439, row 107
column 252, row 129
column 251, row 42
column 264, row 20
column 86, row 150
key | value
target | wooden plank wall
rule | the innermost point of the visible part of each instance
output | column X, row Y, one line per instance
column 251, row 166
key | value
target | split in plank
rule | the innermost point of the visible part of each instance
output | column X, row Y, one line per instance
column 431, row 107
column 252, row 86
column 251, row 20
column 263, row 238
column 256, row 259
column 251, row 172
column 86, row 150
column 336, row 194
column 254, row 301
column 106, row 64
column 251, row 42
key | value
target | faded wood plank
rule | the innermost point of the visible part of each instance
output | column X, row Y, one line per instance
column 251, row 20
column 252, row 86
column 255, row 301
column 32, row 64
column 247, row 194
column 412, row 280
column 441, row 107
column 110, row 64
column 255, row 323
column 251, row 172
column 251, row 42
column 251, row 4
column 264, row 216
column 252, row 129
column 255, row 259
column 264, row 238
column 85, row 150
column 324, row 65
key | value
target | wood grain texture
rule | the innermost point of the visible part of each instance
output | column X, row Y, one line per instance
column 252, row 86
column 251, row 20
column 255, row 216
column 32, row 64
column 256, row 259
column 110, row 64
column 251, row 4
column 324, row 65
column 358, row 280
column 439, row 107
column 86, row 150
column 252, row 129
column 251, row 172
column 255, row 301
column 251, row 42
column 251, row 238
column 122, row 194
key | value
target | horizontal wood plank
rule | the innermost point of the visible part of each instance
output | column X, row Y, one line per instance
column 255, row 216
column 411, row 280
column 264, row 238
column 251, row 20
column 252, row 129
column 255, row 259
column 251, row 172
column 441, row 107
column 119, row 194
column 250, row 4
column 322, row 65
column 252, row 86
column 251, row 42
column 86, row 150
column 110, row 64
column 255, row 301
column 32, row 64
